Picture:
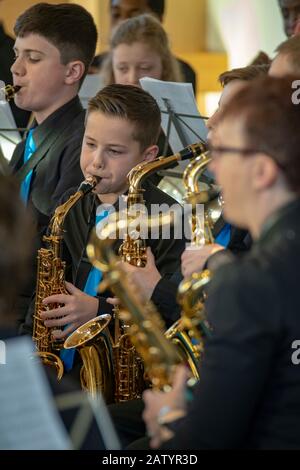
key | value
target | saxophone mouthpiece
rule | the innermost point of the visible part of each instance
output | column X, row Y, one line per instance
column 192, row 151
column 88, row 184
column 9, row 91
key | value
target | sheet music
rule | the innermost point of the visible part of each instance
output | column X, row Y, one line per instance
column 180, row 98
column 89, row 88
column 28, row 417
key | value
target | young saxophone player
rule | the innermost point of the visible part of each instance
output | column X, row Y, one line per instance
column 51, row 61
column 122, row 126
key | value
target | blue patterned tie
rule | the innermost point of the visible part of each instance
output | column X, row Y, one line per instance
column 30, row 148
column 91, row 288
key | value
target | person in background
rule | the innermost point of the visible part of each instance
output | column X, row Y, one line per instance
column 121, row 10
column 249, row 393
column 290, row 11
column 229, row 240
column 140, row 48
column 51, row 60
column 287, row 60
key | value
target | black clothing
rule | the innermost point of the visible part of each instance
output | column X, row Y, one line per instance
column 59, row 168
column 249, row 395
column 188, row 72
column 78, row 225
column 127, row 417
column 58, row 140
column 7, row 57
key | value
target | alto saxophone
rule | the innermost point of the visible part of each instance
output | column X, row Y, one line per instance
column 123, row 361
column 133, row 251
column 188, row 332
column 51, row 279
column 9, row 91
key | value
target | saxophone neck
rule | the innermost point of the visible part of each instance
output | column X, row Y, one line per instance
column 57, row 221
column 193, row 172
column 140, row 172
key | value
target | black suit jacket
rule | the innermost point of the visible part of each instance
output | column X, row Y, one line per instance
column 249, row 393
column 78, row 225
column 58, row 140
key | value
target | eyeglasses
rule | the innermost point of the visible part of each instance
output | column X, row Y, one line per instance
column 216, row 153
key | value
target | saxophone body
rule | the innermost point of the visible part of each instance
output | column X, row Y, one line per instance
column 51, row 280
column 189, row 331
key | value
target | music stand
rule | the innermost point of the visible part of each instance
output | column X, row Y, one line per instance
column 182, row 124
column 181, row 121
column 89, row 88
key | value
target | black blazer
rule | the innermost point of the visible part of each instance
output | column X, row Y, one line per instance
column 59, row 140
column 249, row 393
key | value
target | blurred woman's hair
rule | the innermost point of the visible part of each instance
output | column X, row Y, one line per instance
column 144, row 29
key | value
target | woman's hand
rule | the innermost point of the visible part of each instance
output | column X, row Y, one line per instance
column 171, row 403
column 193, row 259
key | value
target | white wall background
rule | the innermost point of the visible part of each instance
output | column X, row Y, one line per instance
column 243, row 27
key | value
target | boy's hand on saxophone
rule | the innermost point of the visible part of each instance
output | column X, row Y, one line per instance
column 145, row 278
column 76, row 309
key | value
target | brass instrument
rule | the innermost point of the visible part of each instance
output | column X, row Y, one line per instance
column 94, row 349
column 188, row 332
column 9, row 91
column 51, row 279
column 133, row 251
column 123, row 359
column 145, row 326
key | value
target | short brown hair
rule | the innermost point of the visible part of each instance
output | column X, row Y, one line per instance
column 144, row 29
column 69, row 27
column 271, row 122
column 291, row 48
column 245, row 73
column 133, row 104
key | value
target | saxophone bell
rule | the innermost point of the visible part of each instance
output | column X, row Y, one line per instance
column 90, row 341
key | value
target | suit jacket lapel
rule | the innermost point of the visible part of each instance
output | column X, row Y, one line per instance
column 17, row 158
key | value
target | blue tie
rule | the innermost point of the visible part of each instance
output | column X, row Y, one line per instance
column 223, row 238
column 91, row 288
column 30, row 148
